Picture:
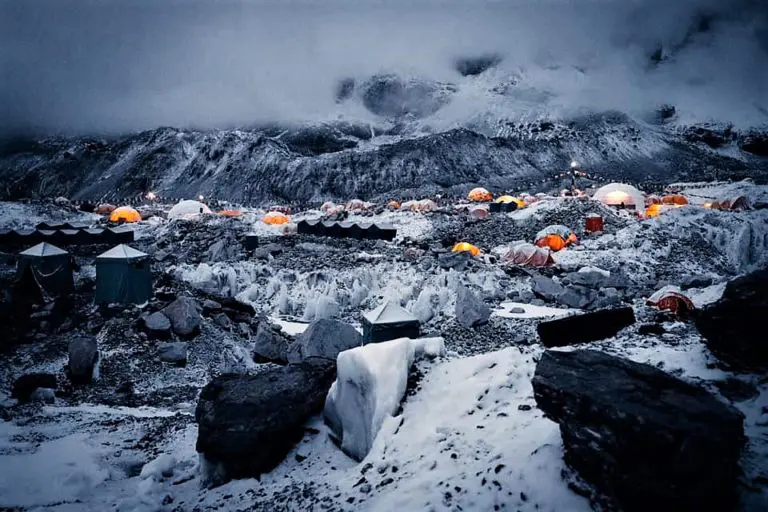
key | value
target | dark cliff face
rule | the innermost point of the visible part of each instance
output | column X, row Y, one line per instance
column 343, row 160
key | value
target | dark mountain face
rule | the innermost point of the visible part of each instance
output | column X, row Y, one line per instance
column 344, row 160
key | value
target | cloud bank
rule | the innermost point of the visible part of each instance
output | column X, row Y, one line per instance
column 85, row 66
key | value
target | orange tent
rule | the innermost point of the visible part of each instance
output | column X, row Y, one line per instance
column 480, row 194
column 394, row 204
column 675, row 199
column 230, row 213
column 465, row 247
column 275, row 218
column 656, row 209
column 105, row 208
column 556, row 237
column 124, row 214
column 649, row 200
column 671, row 300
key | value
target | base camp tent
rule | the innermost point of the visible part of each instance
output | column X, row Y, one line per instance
column 188, row 209
column 124, row 214
column 123, row 276
column 50, row 266
column 466, row 247
column 479, row 194
column 620, row 194
column 528, row 254
column 389, row 322
column 556, row 237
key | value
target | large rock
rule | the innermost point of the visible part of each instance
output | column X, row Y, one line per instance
column 371, row 383
column 470, row 309
column 25, row 386
column 593, row 326
column 184, row 314
column 174, row 352
column 732, row 327
column 325, row 338
column 158, row 325
column 83, row 354
column 546, row 288
column 270, row 345
column 644, row 439
column 586, row 277
column 454, row 260
column 248, row 423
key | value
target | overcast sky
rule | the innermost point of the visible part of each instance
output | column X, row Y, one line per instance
column 112, row 66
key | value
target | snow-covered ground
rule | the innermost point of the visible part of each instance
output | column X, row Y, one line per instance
column 468, row 437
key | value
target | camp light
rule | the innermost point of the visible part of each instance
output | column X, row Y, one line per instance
column 201, row 197
column 151, row 196
column 574, row 164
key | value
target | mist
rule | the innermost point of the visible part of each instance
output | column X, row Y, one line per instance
column 103, row 66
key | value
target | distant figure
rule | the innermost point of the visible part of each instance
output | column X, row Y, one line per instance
column 201, row 211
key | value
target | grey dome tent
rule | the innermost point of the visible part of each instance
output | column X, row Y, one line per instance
column 123, row 276
column 50, row 266
column 388, row 322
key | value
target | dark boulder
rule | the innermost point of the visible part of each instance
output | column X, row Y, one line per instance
column 25, row 386
column 324, row 338
column 644, row 439
column 173, row 352
column 471, row 66
column 470, row 310
column 249, row 423
column 592, row 326
column 83, row 354
column 184, row 314
column 454, row 260
column 157, row 325
column 732, row 326
column 755, row 143
column 270, row 345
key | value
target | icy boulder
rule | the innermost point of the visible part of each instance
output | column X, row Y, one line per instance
column 369, row 386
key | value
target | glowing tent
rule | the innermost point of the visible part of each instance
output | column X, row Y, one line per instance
column 528, row 254
column 124, row 214
column 275, row 218
column 394, row 205
column 657, row 209
column 652, row 199
column 231, row 213
column 737, row 203
column 620, row 194
column 466, row 247
column 556, row 237
column 674, row 199
column 188, row 209
column 479, row 194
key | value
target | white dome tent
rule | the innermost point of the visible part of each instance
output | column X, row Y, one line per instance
column 187, row 209
column 618, row 194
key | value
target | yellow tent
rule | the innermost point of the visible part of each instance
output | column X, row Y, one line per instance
column 465, row 247
column 506, row 199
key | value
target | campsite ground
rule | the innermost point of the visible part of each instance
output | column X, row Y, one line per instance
column 469, row 436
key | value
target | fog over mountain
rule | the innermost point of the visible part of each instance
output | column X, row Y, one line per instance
column 103, row 66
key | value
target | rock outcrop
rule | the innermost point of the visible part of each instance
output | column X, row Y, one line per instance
column 325, row 338
column 248, row 423
column 733, row 326
column 644, row 439
column 592, row 326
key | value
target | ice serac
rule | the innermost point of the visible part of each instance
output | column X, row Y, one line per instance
column 732, row 327
column 247, row 424
column 644, row 439
column 371, row 381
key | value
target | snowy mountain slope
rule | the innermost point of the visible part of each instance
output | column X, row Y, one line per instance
column 339, row 160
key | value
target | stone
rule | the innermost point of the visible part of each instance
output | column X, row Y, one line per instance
column 265, row 251
column 46, row 395
column 454, row 260
column 173, row 352
column 732, row 326
column 270, row 345
column 546, row 288
column 618, row 280
column 244, row 329
column 222, row 320
column 247, row 424
column 211, row 305
column 325, row 338
column 695, row 281
column 644, row 439
column 470, row 310
column 517, row 310
column 24, row 387
column 589, row 278
column 157, row 324
column 577, row 297
column 83, row 354
column 184, row 314
column 651, row 329
column 583, row 328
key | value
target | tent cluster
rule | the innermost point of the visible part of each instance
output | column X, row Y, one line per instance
column 123, row 274
column 359, row 230
column 735, row 204
column 67, row 236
